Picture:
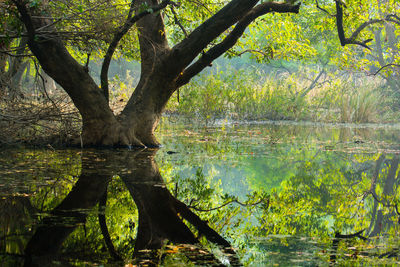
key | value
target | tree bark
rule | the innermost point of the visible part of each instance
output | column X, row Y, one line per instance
column 163, row 70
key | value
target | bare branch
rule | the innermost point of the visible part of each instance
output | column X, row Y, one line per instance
column 313, row 84
column 254, row 51
column 8, row 53
column 393, row 18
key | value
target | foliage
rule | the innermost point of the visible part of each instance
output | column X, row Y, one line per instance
column 256, row 94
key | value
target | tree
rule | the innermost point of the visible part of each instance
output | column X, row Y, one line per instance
column 164, row 67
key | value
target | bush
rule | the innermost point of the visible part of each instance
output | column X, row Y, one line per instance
column 239, row 95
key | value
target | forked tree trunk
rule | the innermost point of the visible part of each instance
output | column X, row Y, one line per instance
column 163, row 69
column 101, row 127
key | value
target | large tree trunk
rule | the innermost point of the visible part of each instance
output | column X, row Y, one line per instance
column 135, row 127
column 164, row 69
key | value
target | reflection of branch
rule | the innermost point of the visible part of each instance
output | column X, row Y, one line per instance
column 358, row 234
column 375, row 196
column 390, row 254
column 372, row 192
column 376, row 174
column 103, row 227
column 229, row 202
column 338, row 237
column 200, row 225
column 207, row 231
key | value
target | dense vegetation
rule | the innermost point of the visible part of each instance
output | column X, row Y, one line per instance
column 332, row 62
column 110, row 72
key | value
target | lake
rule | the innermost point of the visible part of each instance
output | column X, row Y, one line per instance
column 249, row 194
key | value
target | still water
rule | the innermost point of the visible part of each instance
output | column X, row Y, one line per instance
column 261, row 194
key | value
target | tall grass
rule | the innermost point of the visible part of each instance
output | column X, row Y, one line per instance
column 254, row 95
column 360, row 106
column 241, row 95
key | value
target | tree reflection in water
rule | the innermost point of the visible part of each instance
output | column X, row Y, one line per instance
column 161, row 215
column 335, row 203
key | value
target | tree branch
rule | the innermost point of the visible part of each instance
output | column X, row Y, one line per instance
column 393, row 18
column 386, row 66
column 25, row 18
column 323, row 9
column 313, row 84
column 188, row 49
column 177, row 22
column 352, row 40
column 231, row 39
column 118, row 36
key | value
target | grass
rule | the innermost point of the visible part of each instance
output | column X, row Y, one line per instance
column 254, row 95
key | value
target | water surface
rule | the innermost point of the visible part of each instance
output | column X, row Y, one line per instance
column 263, row 194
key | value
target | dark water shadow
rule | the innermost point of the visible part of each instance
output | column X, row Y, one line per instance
column 163, row 219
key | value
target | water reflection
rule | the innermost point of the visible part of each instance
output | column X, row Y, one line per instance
column 160, row 219
column 278, row 197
